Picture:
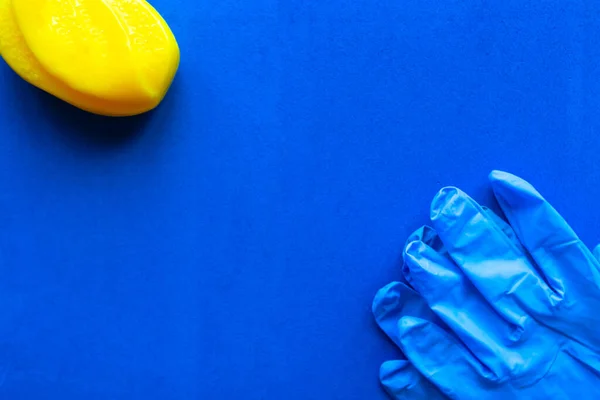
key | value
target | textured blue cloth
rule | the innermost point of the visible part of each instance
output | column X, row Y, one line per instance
column 490, row 310
column 228, row 245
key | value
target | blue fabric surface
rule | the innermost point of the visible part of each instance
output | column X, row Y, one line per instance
column 229, row 244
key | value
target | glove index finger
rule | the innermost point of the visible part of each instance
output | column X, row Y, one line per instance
column 489, row 258
column 557, row 250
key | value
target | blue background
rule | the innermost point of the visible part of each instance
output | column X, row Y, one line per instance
column 229, row 244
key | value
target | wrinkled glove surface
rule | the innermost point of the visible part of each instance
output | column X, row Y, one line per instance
column 486, row 309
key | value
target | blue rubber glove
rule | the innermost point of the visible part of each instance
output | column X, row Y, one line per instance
column 492, row 311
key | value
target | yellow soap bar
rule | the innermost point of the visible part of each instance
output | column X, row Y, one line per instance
column 108, row 57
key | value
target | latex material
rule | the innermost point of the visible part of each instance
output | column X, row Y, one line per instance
column 490, row 310
column 109, row 57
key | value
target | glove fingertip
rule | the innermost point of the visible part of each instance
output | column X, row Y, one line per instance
column 446, row 204
column 512, row 189
column 385, row 298
column 498, row 175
